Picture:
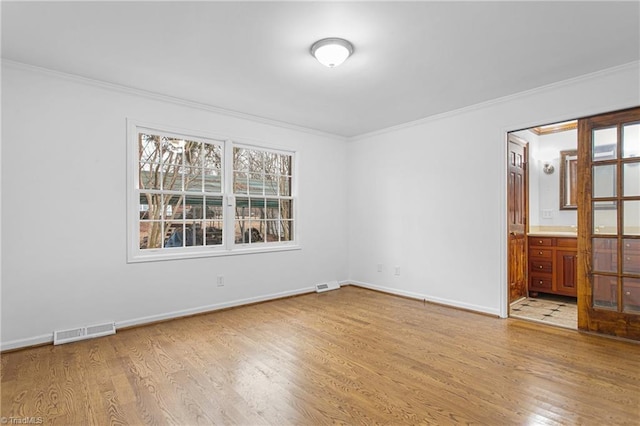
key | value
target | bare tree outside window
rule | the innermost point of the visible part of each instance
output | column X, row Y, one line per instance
column 180, row 184
column 264, row 205
column 197, row 196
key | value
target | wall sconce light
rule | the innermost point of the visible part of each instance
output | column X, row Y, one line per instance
column 331, row 52
column 548, row 168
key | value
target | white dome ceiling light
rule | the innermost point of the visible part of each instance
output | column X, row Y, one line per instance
column 331, row 52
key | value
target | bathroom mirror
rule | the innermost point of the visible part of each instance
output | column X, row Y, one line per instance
column 568, row 180
column 604, row 177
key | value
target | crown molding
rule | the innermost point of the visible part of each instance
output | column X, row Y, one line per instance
column 290, row 126
column 500, row 100
column 166, row 98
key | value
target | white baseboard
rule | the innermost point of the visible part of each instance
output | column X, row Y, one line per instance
column 211, row 308
column 420, row 296
column 48, row 338
column 43, row 339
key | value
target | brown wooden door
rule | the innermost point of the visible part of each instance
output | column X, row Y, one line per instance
column 517, row 218
column 609, row 223
column 566, row 276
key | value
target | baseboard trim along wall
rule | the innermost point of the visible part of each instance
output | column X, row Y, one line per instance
column 45, row 339
column 419, row 296
column 48, row 338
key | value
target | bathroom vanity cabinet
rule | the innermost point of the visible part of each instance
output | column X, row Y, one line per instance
column 553, row 266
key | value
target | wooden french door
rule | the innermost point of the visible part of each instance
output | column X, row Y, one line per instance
column 609, row 224
column 517, row 218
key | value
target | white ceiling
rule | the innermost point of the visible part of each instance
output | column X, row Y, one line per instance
column 412, row 60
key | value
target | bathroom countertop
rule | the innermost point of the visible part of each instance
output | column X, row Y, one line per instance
column 553, row 234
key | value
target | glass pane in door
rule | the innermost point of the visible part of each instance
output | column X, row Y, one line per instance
column 631, row 217
column 605, row 255
column 631, row 256
column 631, row 294
column 604, row 181
column 605, row 217
column 604, row 143
column 605, row 292
column 631, row 140
column 631, row 179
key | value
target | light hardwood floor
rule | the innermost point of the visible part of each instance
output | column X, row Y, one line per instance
column 349, row 356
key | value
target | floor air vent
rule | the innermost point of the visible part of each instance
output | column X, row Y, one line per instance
column 331, row 285
column 83, row 333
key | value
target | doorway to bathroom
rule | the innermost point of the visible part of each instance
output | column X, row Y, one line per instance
column 545, row 260
column 583, row 224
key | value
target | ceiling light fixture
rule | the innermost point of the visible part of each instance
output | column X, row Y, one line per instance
column 331, row 52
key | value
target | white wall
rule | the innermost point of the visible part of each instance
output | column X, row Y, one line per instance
column 64, row 217
column 546, row 196
column 431, row 197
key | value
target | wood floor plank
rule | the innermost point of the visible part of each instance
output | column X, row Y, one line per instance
column 351, row 356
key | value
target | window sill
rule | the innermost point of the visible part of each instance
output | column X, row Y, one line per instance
column 162, row 255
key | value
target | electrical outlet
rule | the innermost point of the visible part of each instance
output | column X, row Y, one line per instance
column 397, row 273
column 547, row 214
column 220, row 280
column 379, row 267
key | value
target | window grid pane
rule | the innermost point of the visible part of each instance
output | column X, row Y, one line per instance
column 604, row 181
column 631, row 295
column 605, row 143
column 149, row 175
column 148, row 148
column 605, row 292
column 631, row 217
column 605, row 255
column 631, row 179
column 212, row 180
column 631, row 256
column 631, row 140
column 605, row 217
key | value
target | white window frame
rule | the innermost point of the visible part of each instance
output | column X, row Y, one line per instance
column 264, row 196
column 228, row 246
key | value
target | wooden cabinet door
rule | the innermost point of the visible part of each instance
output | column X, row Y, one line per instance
column 567, row 272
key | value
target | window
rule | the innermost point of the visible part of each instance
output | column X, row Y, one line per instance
column 180, row 192
column 193, row 196
column 262, row 189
